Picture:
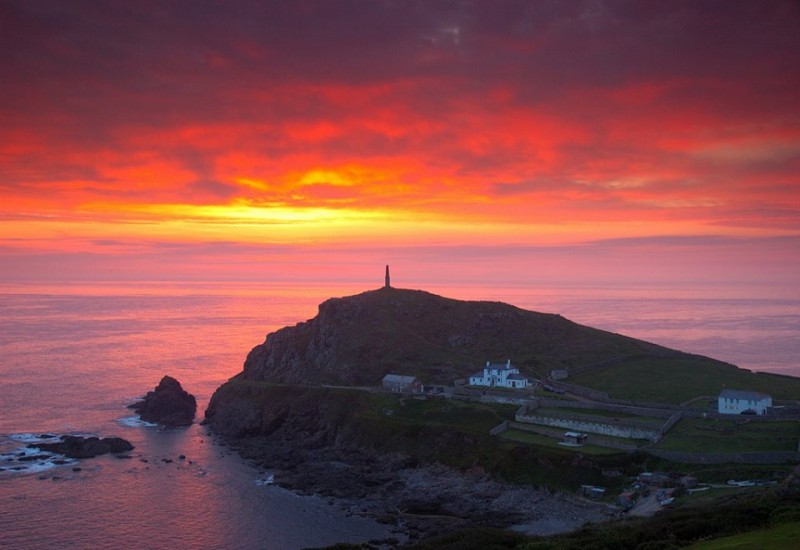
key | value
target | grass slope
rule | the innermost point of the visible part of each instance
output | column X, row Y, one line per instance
column 731, row 436
column 678, row 380
column 779, row 537
column 358, row 339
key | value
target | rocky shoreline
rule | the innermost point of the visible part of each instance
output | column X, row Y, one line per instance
column 420, row 500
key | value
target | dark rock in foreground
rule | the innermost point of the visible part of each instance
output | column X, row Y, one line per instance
column 85, row 447
column 169, row 404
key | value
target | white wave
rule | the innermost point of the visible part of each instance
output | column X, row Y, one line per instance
column 34, row 438
column 25, row 458
column 135, row 422
column 266, row 480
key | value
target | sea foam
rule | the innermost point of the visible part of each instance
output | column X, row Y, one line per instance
column 135, row 422
column 17, row 457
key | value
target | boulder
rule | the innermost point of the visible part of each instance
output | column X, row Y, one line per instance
column 169, row 404
column 73, row 446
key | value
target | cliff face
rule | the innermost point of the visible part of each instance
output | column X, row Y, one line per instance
column 304, row 416
column 358, row 339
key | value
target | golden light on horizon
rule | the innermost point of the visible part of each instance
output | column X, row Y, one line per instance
column 514, row 135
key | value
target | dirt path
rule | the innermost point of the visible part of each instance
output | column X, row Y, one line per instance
column 645, row 506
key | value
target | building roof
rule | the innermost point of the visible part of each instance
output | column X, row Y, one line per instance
column 515, row 376
column 399, row 379
column 501, row 366
column 743, row 395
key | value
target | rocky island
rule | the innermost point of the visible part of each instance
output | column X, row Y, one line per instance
column 309, row 407
column 168, row 404
column 73, row 446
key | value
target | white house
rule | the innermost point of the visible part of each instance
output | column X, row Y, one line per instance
column 501, row 375
column 743, row 402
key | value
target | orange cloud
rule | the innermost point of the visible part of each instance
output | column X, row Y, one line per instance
column 450, row 124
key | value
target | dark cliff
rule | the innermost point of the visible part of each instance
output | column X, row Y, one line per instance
column 358, row 339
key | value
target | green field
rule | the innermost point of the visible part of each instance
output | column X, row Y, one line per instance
column 460, row 415
column 780, row 537
column 675, row 381
column 731, row 436
column 532, row 438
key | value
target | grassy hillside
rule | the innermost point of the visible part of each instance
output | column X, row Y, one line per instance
column 680, row 379
column 358, row 339
column 780, row 537
column 731, row 436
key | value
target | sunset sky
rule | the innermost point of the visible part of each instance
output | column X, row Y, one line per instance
column 476, row 141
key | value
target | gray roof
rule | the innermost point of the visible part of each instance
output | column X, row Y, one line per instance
column 501, row 366
column 399, row 379
column 515, row 376
column 743, row 395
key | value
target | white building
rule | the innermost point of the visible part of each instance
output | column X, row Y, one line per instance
column 500, row 375
column 739, row 402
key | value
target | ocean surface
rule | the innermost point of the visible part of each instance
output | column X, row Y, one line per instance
column 73, row 356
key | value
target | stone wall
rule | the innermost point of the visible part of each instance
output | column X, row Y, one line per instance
column 500, row 428
column 611, row 427
column 580, row 390
column 489, row 396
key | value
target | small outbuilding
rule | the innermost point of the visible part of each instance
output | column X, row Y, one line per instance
column 399, row 383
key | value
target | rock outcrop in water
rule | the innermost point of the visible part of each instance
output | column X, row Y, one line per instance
column 169, row 404
column 73, row 446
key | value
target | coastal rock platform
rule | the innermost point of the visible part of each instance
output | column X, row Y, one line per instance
column 73, row 446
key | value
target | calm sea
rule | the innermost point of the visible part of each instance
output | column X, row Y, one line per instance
column 72, row 357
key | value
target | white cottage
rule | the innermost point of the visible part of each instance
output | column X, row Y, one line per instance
column 743, row 402
column 500, row 375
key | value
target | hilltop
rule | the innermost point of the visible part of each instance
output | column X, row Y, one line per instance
column 358, row 339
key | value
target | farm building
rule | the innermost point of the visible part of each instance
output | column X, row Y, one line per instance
column 501, row 375
column 402, row 384
column 743, row 402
